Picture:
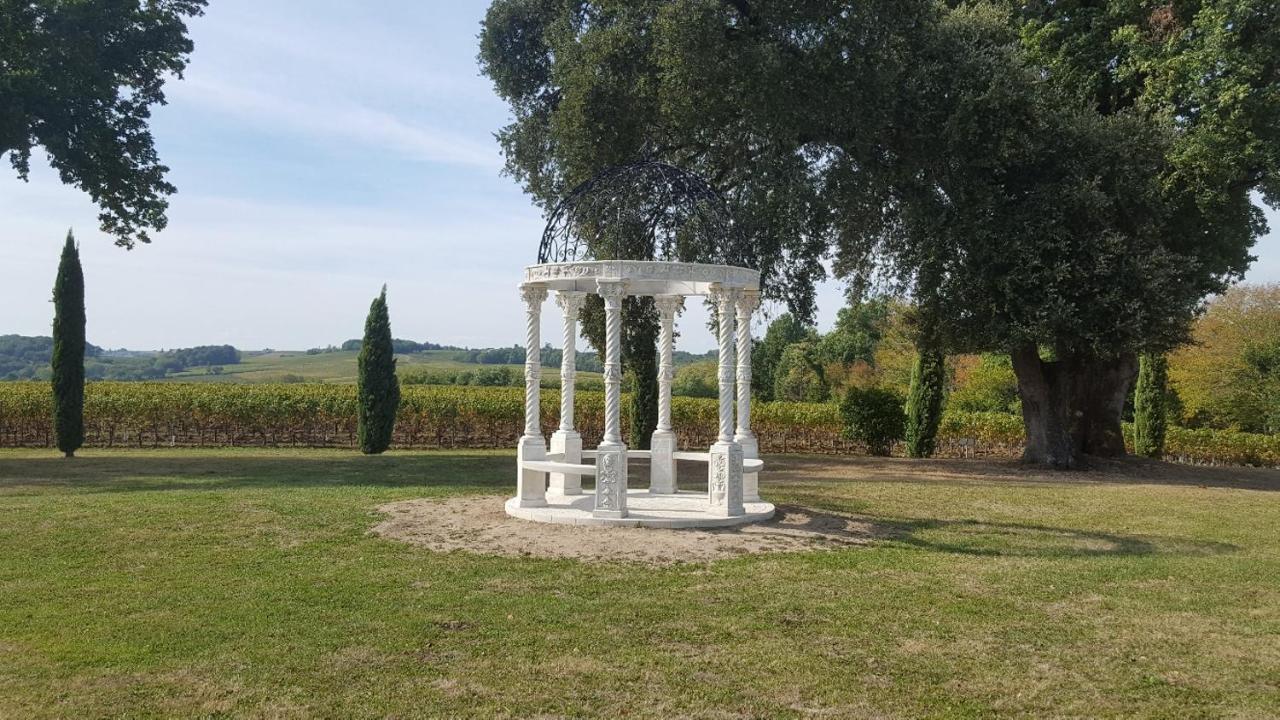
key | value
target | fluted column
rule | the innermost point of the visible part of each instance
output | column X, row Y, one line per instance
column 531, row 484
column 567, row 442
column 611, row 461
column 724, row 481
column 747, row 303
column 662, row 466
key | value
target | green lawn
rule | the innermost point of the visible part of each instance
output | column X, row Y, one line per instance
column 246, row 584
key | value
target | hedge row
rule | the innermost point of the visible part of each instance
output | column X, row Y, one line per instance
column 1002, row 433
column 192, row 415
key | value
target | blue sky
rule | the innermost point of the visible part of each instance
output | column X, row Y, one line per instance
column 320, row 150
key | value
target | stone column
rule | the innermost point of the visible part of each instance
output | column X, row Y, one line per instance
column 724, row 481
column 743, row 435
column 662, row 472
column 532, row 485
column 611, row 461
column 567, row 441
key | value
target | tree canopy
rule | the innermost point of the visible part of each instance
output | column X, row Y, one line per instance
column 1063, row 181
column 79, row 79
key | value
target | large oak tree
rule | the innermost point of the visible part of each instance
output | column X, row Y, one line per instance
column 1062, row 181
column 78, row 78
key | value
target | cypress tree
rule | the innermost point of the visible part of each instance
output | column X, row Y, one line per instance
column 640, row 355
column 924, row 404
column 1149, row 406
column 68, row 351
column 377, row 388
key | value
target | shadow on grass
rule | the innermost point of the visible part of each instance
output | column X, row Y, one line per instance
column 1127, row 471
column 470, row 472
column 170, row 471
column 982, row 538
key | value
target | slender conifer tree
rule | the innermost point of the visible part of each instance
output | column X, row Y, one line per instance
column 378, row 389
column 1149, row 406
column 68, row 351
column 924, row 404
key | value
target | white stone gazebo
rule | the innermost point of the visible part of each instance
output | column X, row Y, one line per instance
column 550, row 478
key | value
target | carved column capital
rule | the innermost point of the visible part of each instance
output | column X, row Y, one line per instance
column 747, row 303
column 613, row 290
column 533, row 293
column 571, row 303
column 668, row 305
column 725, row 297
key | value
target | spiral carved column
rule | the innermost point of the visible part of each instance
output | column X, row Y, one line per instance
column 724, row 480
column 747, row 303
column 567, row 441
column 533, row 447
column 725, row 300
column 611, row 462
column 662, row 466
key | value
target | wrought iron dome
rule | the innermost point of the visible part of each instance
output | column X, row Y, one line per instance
column 645, row 210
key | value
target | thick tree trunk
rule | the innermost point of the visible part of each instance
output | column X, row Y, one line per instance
column 1072, row 407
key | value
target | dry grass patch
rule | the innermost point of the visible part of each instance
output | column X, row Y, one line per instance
column 479, row 525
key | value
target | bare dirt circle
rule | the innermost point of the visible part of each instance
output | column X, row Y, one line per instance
column 479, row 525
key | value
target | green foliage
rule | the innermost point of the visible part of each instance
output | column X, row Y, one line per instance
column 378, row 391
column 1075, row 176
column 874, row 416
column 1262, row 372
column 1222, row 447
column 1149, row 411
column 639, row 358
column 642, row 356
column 858, row 331
column 799, row 376
column 25, row 358
column 988, row 386
column 766, row 356
column 68, row 351
column 202, row 356
column 698, row 380
column 484, row 377
column 79, row 79
column 1229, row 376
column 924, row 404
column 999, row 431
column 188, row 414
column 402, row 347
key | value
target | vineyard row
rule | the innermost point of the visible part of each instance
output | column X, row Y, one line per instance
column 217, row 415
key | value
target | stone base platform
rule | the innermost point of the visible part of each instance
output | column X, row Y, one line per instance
column 681, row 510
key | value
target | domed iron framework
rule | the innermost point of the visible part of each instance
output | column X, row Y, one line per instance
column 646, row 210
column 649, row 230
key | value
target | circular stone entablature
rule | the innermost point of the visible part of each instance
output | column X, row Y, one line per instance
column 642, row 277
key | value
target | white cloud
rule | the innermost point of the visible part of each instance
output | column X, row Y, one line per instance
column 336, row 120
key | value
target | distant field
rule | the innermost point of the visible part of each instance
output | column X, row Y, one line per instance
column 332, row 367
